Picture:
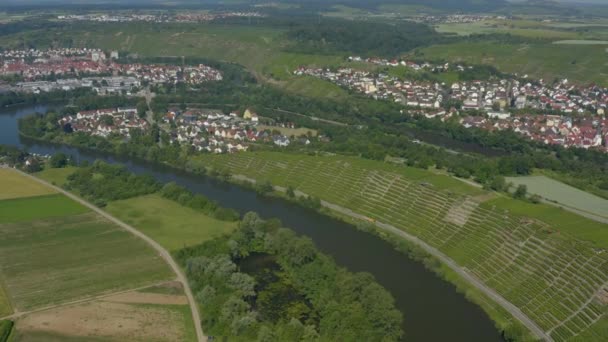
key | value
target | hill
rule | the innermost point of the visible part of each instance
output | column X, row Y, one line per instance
column 554, row 276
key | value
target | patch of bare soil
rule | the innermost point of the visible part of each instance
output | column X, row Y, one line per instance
column 147, row 298
column 117, row 321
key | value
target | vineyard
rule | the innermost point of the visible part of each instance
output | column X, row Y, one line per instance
column 558, row 281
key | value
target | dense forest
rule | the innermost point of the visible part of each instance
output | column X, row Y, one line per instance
column 265, row 283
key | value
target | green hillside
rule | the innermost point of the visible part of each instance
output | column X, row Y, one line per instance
column 554, row 277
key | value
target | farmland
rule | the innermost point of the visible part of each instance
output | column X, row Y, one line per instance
column 575, row 225
column 15, row 186
column 584, row 64
column 561, row 193
column 59, row 278
column 589, row 29
column 57, row 176
column 170, row 224
column 40, row 268
column 21, row 209
column 141, row 316
column 510, row 27
column 549, row 272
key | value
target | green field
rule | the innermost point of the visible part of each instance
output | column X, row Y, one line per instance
column 585, row 63
column 167, row 222
column 559, row 219
column 513, row 27
column 56, row 176
column 39, row 207
column 65, row 258
column 551, row 274
column 564, row 194
column 14, row 185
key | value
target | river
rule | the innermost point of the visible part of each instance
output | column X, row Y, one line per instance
column 432, row 308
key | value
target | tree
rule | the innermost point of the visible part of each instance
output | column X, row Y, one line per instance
column 291, row 192
column 240, row 324
column 521, row 191
column 264, row 188
column 107, row 120
column 498, row 183
column 243, row 283
column 234, row 307
column 535, row 199
column 251, row 220
column 206, row 295
column 142, row 108
column 266, row 334
column 58, row 160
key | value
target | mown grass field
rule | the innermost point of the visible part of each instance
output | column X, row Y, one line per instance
column 13, row 185
column 563, row 194
column 585, row 63
column 56, row 176
column 167, row 222
column 38, row 207
column 560, row 219
column 60, row 259
column 549, row 269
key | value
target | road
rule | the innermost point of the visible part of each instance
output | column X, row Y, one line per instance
column 512, row 309
column 196, row 317
column 473, row 280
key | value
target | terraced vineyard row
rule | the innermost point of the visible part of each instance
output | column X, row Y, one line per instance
column 557, row 281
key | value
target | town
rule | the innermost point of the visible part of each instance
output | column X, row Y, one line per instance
column 159, row 18
column 559, row 113
column 204, row 130
column 42, row 71
column 454, row 18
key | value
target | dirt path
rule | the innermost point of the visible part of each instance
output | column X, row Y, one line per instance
column 478, row 284
column 161, row 251
column 79, row 301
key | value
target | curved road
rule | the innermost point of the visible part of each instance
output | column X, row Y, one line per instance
column 161, row 251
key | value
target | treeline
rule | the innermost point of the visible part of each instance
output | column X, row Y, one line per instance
column 12, row 98
column 81, row 98
column 102, row 182
column 264, row 283
column 198, row 202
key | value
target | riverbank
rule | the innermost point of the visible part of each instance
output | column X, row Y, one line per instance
column 509, row 320
column 163, row 253
column 425, row 299
column 502, row 315
column 442, row 266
